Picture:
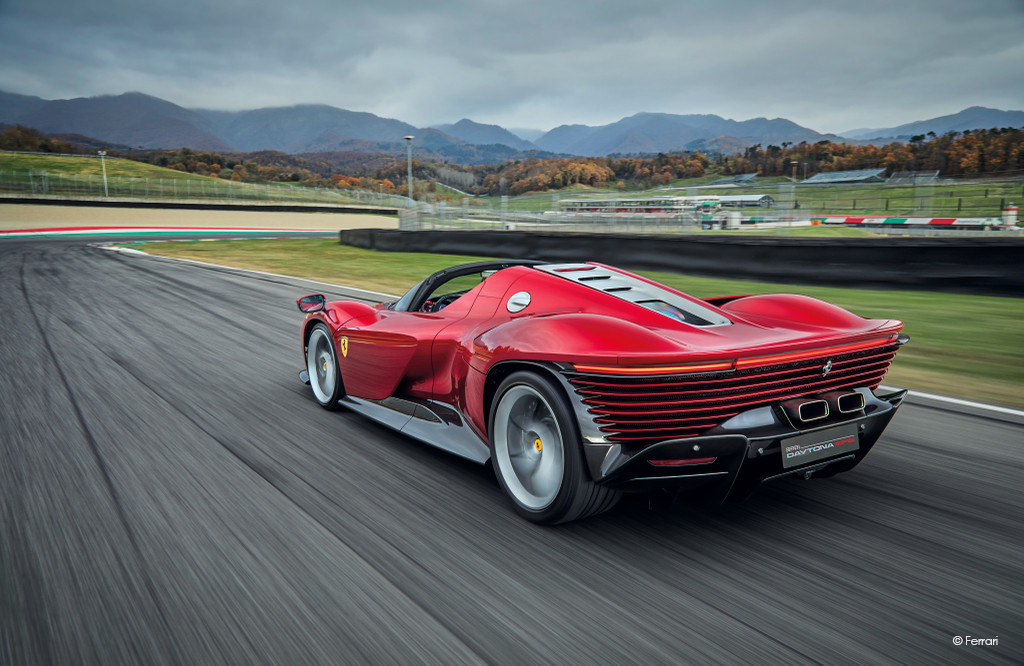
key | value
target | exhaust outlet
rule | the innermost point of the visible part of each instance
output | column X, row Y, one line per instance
column 812, row 410
column 851, row 402
column 846, row 403
column 806, row 411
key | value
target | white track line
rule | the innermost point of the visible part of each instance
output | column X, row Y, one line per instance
column 182, row 231
column 961, row 402
column 386, row 297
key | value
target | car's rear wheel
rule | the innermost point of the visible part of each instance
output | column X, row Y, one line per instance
column 322, row 366
column 537, row 455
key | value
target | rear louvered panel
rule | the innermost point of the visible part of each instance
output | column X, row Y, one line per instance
column 659, row 407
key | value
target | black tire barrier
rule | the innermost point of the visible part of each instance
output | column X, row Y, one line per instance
column 961, row 265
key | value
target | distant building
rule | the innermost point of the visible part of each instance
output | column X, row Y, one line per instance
column 741, row 179
column 846, row 177
column 913, row 178
column 747, row 200
column 645, row 206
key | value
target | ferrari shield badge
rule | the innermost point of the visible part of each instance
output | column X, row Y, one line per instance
column 344, row 346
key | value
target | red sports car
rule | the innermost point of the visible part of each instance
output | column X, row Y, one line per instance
column 581, row 381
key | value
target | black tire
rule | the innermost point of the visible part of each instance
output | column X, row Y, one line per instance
column 322, row 366
column 537, row 455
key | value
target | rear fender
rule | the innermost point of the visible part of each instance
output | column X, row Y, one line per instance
column 568, row 338
column 794, row 309
column 596, row 449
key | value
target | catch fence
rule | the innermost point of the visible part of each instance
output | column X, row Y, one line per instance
column 440, row 215
column 978, row 197
column 95, row 187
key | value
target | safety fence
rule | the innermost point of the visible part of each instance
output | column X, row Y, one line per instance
column 425, row 216
column 946, row 198
column 94, row 186
column 464, row 217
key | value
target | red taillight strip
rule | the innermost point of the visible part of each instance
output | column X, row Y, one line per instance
column 812, row 353
column 696, row 368
column 678, row 462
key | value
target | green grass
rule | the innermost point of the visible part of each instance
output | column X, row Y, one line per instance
column 63, row 165
column 83, row 176
column 444, row 189
column 696, row 182
column 325, row 260
column 967, row 346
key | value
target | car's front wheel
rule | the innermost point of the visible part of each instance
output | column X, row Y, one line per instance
column 322, row 366
column 537, row 455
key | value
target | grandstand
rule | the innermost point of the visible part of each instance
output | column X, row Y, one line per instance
column 641, row 206
column 747, row 201
column 913, row 178
column 741, row 179
column 859, row 176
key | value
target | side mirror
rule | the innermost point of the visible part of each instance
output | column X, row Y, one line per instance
column 311, row 303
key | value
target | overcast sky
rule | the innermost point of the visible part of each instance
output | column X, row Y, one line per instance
column 831, row 66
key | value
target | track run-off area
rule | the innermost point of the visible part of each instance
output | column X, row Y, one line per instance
column 171, row 493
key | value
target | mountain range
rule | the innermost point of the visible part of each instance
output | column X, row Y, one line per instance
column 665, row 132
column 972, row 118
column 143, row 121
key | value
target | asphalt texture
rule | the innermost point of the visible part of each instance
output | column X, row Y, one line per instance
column 171, row 493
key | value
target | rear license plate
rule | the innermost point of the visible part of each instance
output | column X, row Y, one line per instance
column 815, row 446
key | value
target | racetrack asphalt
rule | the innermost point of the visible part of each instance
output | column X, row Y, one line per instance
column 171, row 493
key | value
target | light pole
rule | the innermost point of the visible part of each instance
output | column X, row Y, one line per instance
column 103, row 163
column 408, row 144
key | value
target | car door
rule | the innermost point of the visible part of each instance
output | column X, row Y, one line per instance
column 389, row 351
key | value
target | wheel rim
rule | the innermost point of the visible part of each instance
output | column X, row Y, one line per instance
column 320, row 365
column 528, row 447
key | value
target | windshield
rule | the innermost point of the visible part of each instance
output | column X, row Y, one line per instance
column 403, row 303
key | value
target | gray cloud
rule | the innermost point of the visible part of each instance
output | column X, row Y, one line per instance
column 828, row 65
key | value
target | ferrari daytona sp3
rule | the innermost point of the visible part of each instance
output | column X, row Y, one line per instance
column 579, row 382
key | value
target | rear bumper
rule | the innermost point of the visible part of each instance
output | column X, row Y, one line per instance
column 730, row 461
